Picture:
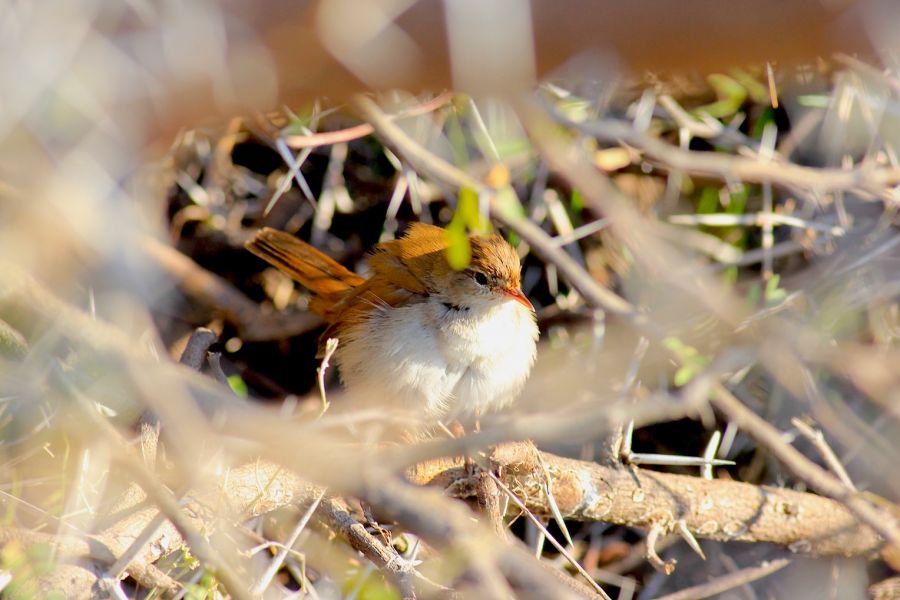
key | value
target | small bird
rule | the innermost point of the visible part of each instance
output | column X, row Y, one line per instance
column 417, row 334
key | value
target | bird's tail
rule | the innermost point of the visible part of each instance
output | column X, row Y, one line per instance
column 320, row 274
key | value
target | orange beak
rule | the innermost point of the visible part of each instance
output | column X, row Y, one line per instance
column 518, row 296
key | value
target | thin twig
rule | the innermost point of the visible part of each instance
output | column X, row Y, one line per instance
column 194, row 353
column 216, row 292
column 327, row 138
column 728, row 582
column 877, row 181
column 335, row 515
column 818, row 440
column 215, row 366
column 559, row 547
column 278, row 559
column 162, row 497
column 760, row 219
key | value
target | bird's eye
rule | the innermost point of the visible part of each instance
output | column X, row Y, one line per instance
column 481, row 279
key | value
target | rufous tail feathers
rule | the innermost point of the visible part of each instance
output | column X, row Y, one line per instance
column 320, row 274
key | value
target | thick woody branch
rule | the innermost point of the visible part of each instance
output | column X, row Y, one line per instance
column 713, row 509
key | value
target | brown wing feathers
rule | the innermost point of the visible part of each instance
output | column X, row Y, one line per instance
column 401, row 268
column 309, row 267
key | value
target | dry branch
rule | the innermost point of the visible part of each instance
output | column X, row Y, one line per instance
column 598, row 190
column 718, row 509
column 213, row 291
column 713, row 509
column 194, row 355
column 728, row 582
column 876, row 181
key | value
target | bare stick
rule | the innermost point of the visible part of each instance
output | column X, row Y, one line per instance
column 278, row 559
column 559, row 547
column 728, row 582
column 818, row 440
column 334, row 514
column 215, row 366
column 327, row 138
column 194, row 353
column 867, row 178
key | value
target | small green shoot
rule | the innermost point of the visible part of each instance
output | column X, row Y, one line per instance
column 691, row 362
column 468, row 217
column 238, row 386
column 774, row 294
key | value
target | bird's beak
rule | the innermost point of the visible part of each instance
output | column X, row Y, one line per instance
column 518, row 296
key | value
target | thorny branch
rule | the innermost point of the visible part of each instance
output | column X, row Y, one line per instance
column 440, row 170
column 720, row 510
column 711, row 509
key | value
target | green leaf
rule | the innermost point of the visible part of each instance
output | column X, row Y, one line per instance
column 577, row 201
column 731, row 96
column 203, row 589
column 238, row 385
column 295, row 127
column 726, row 87
column 737, row 200
column 684, row 375
column 774, row 294
column 574, row 109
column 753, row 294
column 458, row 251
column 730, row 275
column 690, row 359
column 709, row 201
column 767, row 116
column 468, row 210
column 457, row 138
column 758, row 92
column 673, row 344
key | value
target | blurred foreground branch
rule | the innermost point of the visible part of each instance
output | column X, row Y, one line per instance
column 712, row 509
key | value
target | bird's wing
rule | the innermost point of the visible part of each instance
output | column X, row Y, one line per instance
column 320, row 274
column 412, row 261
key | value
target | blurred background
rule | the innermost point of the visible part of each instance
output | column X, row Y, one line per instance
column 726, row 177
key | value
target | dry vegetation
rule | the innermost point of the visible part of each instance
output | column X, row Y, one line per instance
column 715, row 262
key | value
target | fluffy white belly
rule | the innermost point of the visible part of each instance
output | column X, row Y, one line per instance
column 440, row 361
